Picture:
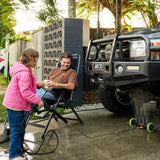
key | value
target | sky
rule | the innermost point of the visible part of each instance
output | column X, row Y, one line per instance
column 26, row 20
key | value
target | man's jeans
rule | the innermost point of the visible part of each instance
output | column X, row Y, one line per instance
column 17, row 131
column 48, row 95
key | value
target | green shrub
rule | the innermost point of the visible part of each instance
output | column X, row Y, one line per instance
column 3, row 81
column 13, row 39
column 3, row 112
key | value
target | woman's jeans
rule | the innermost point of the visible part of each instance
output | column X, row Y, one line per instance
column 17, row 131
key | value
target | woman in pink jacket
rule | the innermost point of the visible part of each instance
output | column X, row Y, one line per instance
column 20, row 95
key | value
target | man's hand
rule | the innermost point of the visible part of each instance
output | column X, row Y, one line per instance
column 51, row 84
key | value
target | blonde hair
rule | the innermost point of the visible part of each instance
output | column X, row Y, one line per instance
column 28, row 56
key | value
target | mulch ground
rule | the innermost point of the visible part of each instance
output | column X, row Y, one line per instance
column 91, row 96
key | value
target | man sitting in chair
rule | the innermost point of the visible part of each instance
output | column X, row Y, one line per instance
column 60, row 77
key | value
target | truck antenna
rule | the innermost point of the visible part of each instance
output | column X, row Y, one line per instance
column 98, row 34
column 117, row 19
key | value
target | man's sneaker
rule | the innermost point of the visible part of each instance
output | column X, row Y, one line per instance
column 5, row 136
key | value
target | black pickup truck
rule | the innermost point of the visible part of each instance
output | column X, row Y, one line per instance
column 124, row 63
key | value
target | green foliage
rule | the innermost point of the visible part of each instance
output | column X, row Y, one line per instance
column 3, row 112
column 148, row 10
column 7, row 20
column 14, row 39
column 7, row 12
column 3, row 81
column 50, row 13
column 85, row 8
column 26, row 3
column 60, row 110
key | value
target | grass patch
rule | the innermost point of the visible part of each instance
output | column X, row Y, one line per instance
column 60, row 110
column 3, row 80
column 3, row 112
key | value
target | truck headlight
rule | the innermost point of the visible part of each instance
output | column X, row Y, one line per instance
column 108, row 49
column 93, row 53
column 137, row 49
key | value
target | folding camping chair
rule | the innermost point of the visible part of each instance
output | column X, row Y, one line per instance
column 64, row 101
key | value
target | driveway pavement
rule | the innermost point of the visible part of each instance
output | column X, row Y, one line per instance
column 103, row 136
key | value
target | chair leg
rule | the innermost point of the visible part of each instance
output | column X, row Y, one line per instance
column 46, row 127
column 76, row 115
column 49, row 120
column 59, row 116
column 55, row 117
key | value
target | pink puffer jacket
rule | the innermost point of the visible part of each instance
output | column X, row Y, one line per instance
column 21, row 92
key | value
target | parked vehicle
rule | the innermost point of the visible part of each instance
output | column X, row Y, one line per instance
column 2, row 60
column 127, row 69
column 121, row 63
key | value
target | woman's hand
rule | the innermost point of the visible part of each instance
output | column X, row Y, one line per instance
column 41, row 84
column 41, row 104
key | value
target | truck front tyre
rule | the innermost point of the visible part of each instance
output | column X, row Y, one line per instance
column 108, row 97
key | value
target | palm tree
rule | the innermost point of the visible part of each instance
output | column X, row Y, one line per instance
column 71, row 8
column 126, row 7
column 7, row 12
column 50, row 13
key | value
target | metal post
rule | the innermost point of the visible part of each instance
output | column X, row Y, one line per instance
column 6, row 68
column 98, row 35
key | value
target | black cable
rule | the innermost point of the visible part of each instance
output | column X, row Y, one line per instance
column 26, row 119
column 43, row 153
column 100, row 135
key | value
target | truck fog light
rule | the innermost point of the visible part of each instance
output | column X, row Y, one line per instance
column 92, row 80
column 119, row 69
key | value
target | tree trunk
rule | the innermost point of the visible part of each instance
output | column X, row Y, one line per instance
column 153, row 19
column 111, row 5
column 71, row 8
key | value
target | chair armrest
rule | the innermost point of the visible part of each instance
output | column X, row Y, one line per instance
column 60, row 92
column 57, row 89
